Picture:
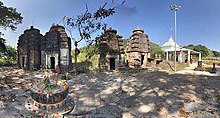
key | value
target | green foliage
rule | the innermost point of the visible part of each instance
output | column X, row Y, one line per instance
column 8, row 56
column 2, row 46
column 11, row 54
column 90, row 50
column 190, row 46
column 87, row 59
column 88, row 23
column 205, row 51
column 200, row 48
column 216, row 53
column 9, row 17
column 156, row 50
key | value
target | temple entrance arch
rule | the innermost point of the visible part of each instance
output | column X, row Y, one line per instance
column 142, row 59
column 112, row 63
column 22, row 62
column 52, row 62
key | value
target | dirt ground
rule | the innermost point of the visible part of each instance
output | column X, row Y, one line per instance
column 128, row 93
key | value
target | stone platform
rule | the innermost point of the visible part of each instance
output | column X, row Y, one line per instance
column 59, row 109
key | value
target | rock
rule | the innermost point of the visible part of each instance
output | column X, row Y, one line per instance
column 164, row 112
column 156, row 89
column 2, row 106
column 195, row 106
column 127, row 115
column 146, row 108
column 161, row 93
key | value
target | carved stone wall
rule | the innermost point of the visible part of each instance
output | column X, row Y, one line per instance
column 56, row 45
column 111, row 50
column 52, row 50
column 29, row 49
column 138, row 48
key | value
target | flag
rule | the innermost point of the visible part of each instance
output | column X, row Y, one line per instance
column 64, row 17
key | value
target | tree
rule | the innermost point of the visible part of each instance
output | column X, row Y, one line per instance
column 156, row 50
column 216, row 53
column 89, row 23
column 2, row 46
column 9, row 56
column 200, row 48
column 9, row 17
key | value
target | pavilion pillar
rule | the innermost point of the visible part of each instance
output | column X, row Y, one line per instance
column 188, row 56
column 180, row 56
column 167, row 55
column 200, row 59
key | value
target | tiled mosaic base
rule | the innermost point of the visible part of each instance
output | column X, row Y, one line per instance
column 50, row 110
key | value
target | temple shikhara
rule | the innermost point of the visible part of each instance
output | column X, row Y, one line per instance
column 138, row 48
column 112, row 53
column 111, row 50
column 50, row 51
column 53, row 50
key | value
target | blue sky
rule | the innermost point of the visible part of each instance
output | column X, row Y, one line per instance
column 197, row 20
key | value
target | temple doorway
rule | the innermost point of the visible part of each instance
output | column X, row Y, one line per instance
column 22, row 63
column 52, row 62
column 112, row 63
column 142, row 59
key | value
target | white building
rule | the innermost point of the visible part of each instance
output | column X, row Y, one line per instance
column 182, row 54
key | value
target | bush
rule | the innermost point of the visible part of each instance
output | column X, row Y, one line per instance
column 9, row 56
column 156, row 50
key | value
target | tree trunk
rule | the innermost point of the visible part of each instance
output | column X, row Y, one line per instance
column 75, row 53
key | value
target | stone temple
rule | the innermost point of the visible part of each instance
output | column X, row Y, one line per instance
column 138, row 49
column 111, row 50
column 51, row 50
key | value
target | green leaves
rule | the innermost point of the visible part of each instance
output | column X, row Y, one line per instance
column 90, row 22
column 9, row 17
column 8, row 56
column 156, row 50
column 2, row 45
column 216, row 53
column 200, row 48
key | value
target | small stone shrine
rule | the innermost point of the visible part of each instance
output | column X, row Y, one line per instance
column 111, row 50
column 138, row 49
column 56, row 48
column 51, row 51
column 29, row 49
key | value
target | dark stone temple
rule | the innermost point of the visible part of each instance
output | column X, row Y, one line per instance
column 29, row 49
column 51, row 51
column 56, row 48
column 138, row 49
column 111, row 50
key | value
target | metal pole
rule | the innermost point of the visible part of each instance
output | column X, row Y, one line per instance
column 175, row 8
column 175, row 40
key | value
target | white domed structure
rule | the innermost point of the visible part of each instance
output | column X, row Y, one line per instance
column 182, row 54
column 170, row 45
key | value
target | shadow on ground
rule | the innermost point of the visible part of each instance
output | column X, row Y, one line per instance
column 140, row 93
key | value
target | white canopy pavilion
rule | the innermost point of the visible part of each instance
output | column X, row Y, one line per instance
column 169, row 48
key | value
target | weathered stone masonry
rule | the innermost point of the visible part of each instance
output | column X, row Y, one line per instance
column 138, row 49
column 52, row 50
column 111, row 50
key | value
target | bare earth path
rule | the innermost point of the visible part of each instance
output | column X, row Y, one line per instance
column 131, row 93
